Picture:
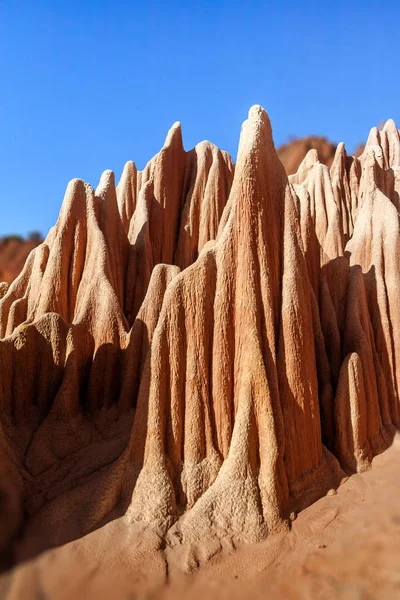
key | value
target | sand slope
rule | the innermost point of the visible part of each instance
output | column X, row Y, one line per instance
column 343, row 546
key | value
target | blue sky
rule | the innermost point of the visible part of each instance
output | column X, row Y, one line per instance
column 88, row 85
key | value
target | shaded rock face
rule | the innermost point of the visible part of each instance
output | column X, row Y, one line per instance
column 204, row 348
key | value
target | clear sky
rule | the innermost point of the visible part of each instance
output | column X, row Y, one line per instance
column 87, row 85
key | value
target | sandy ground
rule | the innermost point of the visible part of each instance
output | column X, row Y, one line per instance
column 346, row 545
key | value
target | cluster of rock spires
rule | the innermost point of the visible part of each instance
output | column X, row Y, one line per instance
column 206, row 348
column 15, row 250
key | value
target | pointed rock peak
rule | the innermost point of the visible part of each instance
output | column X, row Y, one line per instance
column 373, row 159
column 128, row 171
column 374, row 138
column 127, row 184
column 258, row 116
column 390, row 127
column 76, row 186
column 126, row 192
column 308, row 162
column 256, row 132
column 310, row 159
column 205, row 146
column 258, row 112
column 390, row 142
column 75, row 198
column 174, row 136
column 339, row 162
column 340, row 150
column 107, row 182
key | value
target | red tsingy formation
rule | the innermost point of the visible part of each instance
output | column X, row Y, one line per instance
column 205, row 348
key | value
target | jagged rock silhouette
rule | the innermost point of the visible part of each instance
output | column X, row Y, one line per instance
column 205, row 348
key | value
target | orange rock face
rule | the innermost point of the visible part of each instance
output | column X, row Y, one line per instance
column 203, row 349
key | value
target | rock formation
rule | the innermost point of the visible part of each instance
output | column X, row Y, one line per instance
column 14, row 251
column 205, row 349
column 293, row 152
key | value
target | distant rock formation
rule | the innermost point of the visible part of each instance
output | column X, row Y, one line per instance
column 205, row 348
column 14, row 251
column 293, row 152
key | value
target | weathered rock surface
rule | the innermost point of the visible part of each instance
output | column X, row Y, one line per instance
column 204, row 349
